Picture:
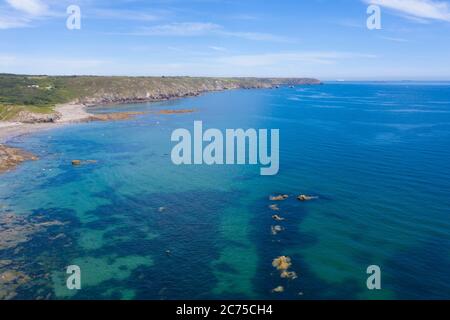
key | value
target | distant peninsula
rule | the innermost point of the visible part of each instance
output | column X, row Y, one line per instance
column 33, row 98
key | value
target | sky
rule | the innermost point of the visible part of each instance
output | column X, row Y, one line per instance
column 325, row 39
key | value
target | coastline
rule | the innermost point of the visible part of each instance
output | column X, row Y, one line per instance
column 11, row 157
column 76, row 112
column 69, row 113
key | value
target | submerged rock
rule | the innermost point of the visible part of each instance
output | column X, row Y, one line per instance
column 281, row 197
column 5, row 263
column 10, row 281
column 16, row 229
column 274, row 207
column 179, row 111
column 303, row 197
column 277, row 218
column 278, row 289
column 276, row 229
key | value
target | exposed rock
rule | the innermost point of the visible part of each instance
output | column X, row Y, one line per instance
column 291, row 275
column 80, row 162
column 303, row 197
column 279, row 198
column 278, row 289
column 277, row 218
column 282, row 263
column 179, row 111
column 11, row 157
column 31, row 117
column 116, row 116
column 274, row 207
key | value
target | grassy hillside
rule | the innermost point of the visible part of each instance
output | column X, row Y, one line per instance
column 39, row 94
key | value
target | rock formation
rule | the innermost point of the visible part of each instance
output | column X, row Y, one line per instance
column 279, row 198
column 283, row 264
column 274, row 207
column 11, row 157
column 277, row 218
column 303, row 197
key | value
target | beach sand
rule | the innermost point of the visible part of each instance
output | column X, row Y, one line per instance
column 70, row 113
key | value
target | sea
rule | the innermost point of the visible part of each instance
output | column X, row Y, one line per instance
column 375, row 154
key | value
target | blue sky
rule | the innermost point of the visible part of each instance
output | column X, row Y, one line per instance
column 312, row 38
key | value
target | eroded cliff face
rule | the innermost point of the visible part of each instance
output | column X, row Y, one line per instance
column 127, row 90
column 32, row 99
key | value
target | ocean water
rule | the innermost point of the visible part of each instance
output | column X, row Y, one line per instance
column 139, row 227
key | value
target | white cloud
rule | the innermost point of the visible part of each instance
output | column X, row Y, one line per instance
column 28, row 64
column 422, row 9
column 30, row 7
column 271, row 59
column 21, row 13
column 256, row 36
column 13, row 22
column 216, row 48
column 185, row 29
column 394, row 39
column 127, row 15
column 192, row 29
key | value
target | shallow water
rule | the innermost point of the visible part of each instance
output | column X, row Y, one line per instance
column 376, row 155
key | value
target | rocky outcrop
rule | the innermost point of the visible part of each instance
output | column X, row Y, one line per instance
column 180, row 111
column 116, row 116
column 276, row 229
column 283, row 264
column 277, row 218
column 274, row 207
column 11, row 157
column 303, row 197
column 279, row 198
column 76, row 163
column 278, row 289
column 31, row 117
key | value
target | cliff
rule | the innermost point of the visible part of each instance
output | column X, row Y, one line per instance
column 21, row 95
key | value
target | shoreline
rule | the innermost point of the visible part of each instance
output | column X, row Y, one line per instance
column 76, row 112
column 69, row 113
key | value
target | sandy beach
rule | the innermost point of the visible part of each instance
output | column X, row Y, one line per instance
column 70, row 113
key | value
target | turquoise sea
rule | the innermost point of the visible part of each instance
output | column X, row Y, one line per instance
column 139, row 227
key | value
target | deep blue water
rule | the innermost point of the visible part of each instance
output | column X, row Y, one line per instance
column 375, row 153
